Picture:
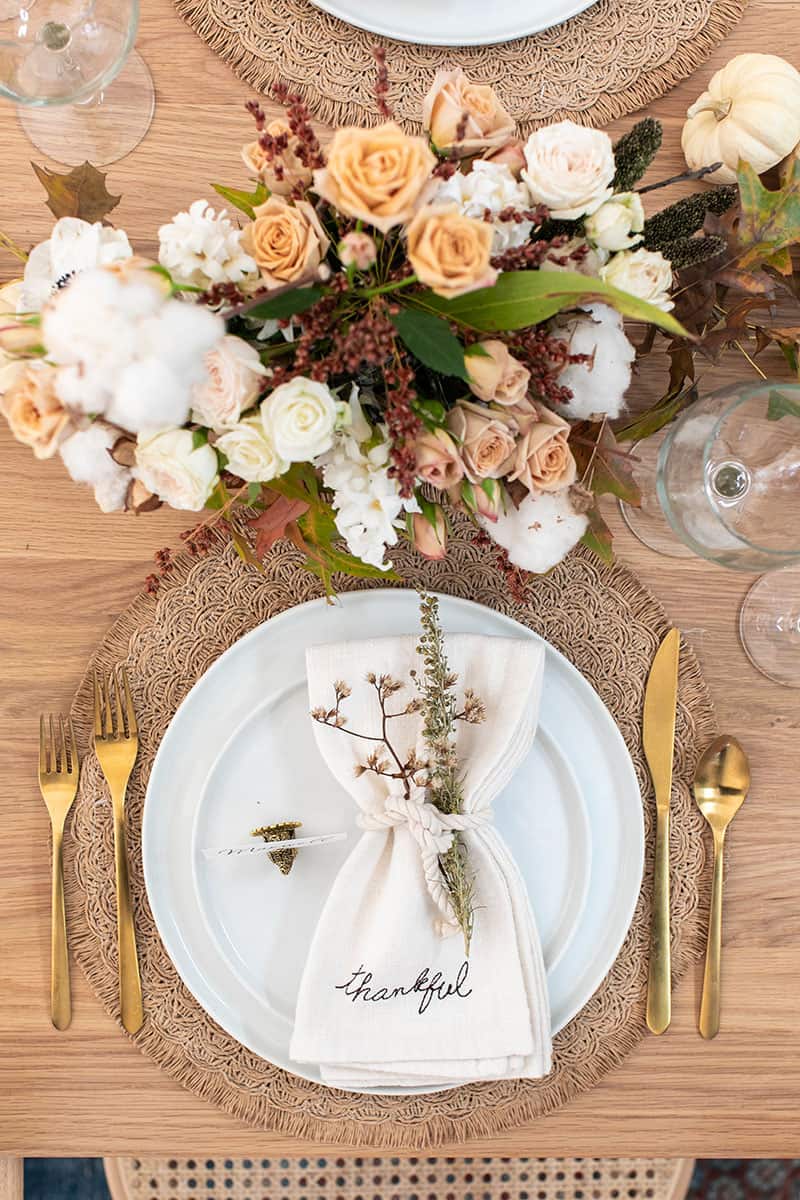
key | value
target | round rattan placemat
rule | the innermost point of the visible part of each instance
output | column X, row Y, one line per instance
column 602, row 618
column 602, row 64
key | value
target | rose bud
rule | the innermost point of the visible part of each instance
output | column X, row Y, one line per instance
column 430, row 540
column 511, row 155
column 357, row 250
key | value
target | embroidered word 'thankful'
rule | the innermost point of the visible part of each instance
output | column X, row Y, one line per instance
column 428, row 987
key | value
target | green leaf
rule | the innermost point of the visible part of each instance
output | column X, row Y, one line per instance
column 253, row 493
column 598, row 537
column 781, row 406
column 246, row 202
column 432, row 341
column 81, row 192
column 477, row 350
column 199, row 438
column 432, row 412
column 287, row 304
column 523, row 298
column 769, row 221
column 219, row 497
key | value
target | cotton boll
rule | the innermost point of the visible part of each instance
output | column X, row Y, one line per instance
column 539, row 533
column 87, row 459
column 598, row 386
column 111, row 494
column 182, row 334
column 84, row 391
column 87, row 323
column 149, row 396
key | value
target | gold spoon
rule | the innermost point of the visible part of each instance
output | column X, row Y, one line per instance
column 721, row 782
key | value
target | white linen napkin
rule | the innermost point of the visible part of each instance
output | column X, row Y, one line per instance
column 388, row 996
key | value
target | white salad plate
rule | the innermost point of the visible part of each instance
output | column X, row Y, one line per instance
column 240, row 752
column 454, row 22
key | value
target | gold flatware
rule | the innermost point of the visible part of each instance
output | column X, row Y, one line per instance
column 721, row 782
column 58, row 783
column 661, row 697
column 116, row 744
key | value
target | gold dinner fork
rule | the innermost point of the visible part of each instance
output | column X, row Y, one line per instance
column 116, row 744
column 58, row 783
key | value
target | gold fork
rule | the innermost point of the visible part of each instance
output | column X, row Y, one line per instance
column 58, row 783
column 116, row 744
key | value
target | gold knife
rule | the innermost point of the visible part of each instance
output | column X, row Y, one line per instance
column 660, row 700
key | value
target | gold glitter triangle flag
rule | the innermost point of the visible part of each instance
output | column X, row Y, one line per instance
column 280, row 832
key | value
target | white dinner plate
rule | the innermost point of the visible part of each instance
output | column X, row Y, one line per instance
column 454, row 22
column 240, row 752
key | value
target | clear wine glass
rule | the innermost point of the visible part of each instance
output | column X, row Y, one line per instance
column 84, row 94
column 727, row 482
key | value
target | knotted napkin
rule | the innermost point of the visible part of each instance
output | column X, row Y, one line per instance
column 388, row 995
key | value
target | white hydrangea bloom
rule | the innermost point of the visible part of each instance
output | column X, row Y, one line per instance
column 87, row 459
column 367, row 502
column 598, row 386
column 539, row 533
column 201, row 247
column 489, row 187
column 73, row 246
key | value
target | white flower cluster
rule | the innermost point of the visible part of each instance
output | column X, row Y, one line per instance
column 124, row 350
column 490, row 188
column 201, row 247
column 367, row 501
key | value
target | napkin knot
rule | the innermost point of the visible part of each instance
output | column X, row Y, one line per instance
column 433, row 831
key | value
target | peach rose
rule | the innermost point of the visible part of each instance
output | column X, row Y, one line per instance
column 454, row 100
column 496, row 375
column 34, row 412
column 542, row 460
column 486, row 439
column 449, row 252
column 378, row 175
column 438, row 461
column 511, row 154
column 287, row 241
column 291, row 171
column 431, row 542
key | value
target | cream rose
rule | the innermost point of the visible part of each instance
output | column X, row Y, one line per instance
column 454, row 101
column 486, row 440
column 34, row 412
column 299, row 418
column 569, row 168
column 283, row 170
column 543, row 461
column 377, row 175
column 172, row 467
column 449, row 252
column 643, row 273
column 617, row 224
column 495, row 375
column 287, row 242
column 438, row 460
column 234, row 379
column 250, row 452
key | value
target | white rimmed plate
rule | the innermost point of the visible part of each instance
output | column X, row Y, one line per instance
column 240, row 751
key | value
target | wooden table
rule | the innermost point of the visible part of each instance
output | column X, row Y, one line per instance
column 68, row 571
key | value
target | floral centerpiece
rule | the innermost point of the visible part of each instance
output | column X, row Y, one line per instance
column 395, row 327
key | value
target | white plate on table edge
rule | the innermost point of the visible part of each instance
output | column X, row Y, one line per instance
column 602, row 765
column 424, row 24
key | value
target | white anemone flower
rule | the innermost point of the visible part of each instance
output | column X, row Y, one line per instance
column 73, row 246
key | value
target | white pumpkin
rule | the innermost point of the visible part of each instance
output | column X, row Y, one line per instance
column 750, row 111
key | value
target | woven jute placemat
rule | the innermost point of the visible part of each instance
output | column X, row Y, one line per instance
column 602, row 618
column 602, row 64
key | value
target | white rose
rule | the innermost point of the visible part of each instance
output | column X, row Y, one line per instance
column 172, row 467
column 250, row 452
column 232, row 384
column 569, row 169
column 617, row 224
column 643, row 273
column 599, row 384
column 539, row 533
column 299, row 417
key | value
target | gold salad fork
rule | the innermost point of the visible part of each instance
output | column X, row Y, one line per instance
column 58, row 783
column 116, row 744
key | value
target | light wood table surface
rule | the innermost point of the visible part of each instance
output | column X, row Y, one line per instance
column 67, row 571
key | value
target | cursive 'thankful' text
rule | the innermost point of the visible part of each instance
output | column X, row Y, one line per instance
column 427, row 986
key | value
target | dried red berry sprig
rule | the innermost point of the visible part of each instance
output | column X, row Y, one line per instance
column 382, row 84
column 528, row 256
column 516, row 580
column 545, row 355
column 403, row 424
column 305, row 142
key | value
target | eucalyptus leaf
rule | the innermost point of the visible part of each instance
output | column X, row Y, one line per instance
column 287, row 304
column 523, row 298
column 432, row 341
